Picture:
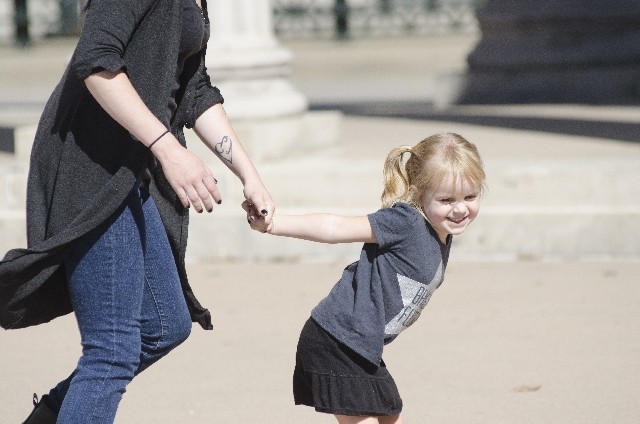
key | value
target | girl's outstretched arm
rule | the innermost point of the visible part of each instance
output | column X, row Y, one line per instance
column 318, row 227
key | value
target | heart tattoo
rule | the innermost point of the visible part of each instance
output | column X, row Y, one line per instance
column 224, row 147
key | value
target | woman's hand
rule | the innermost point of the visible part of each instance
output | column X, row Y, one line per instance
column 259, row 199
column 189, row 177
column 192, row 181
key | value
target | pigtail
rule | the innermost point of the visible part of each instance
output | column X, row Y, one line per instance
column 396, row 181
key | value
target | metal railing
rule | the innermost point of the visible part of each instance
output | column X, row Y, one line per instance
column 366, row 18
column 22, row 19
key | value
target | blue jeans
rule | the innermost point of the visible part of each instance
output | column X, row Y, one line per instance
column 128, row 302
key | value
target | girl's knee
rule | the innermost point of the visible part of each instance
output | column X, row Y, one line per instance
column 387, row 419
column 394, row 419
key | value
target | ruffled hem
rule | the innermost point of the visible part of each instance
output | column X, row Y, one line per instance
column 347, row 395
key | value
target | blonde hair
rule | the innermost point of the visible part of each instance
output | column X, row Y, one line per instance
column 429, row 162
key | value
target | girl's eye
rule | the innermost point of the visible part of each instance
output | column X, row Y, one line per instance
column 471, row 197
column 446, row 201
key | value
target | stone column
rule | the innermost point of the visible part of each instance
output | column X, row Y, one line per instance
column 556, row 51
column 270, row 116
column 252, row 70
column 246, row 62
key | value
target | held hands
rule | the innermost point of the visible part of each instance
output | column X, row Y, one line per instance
column 258, row 221
column 189, row 177
column 258, row 198
column 195, row 184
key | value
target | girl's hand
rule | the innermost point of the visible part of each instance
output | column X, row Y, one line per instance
column 189, row 177
column 256, row 219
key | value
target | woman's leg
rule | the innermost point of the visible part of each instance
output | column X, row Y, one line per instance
column 106, row 279
column 346, row 419
column 165, row 320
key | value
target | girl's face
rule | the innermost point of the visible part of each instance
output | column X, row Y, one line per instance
column 452, row 207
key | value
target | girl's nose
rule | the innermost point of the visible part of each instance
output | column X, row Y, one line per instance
column 460, row 207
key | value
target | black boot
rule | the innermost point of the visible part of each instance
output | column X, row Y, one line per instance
column 41, row 413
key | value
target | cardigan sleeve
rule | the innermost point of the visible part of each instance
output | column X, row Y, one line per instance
column 205, row 94
column 108, row 27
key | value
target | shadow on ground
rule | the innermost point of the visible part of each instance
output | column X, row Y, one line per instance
column 607, row 129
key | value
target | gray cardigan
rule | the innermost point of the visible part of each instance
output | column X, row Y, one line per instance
column 83, row 163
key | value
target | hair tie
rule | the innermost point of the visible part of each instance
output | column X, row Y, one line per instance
column 157, row 139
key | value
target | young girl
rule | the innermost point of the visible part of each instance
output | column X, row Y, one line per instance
column 431, row 196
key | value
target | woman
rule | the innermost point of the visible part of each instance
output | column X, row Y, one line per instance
column 110, row 187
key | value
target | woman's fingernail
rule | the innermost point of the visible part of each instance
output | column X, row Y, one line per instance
column 219, row 201
column 216, row 181
column 264, row 211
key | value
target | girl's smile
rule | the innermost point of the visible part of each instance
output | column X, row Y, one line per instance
column 452, row 207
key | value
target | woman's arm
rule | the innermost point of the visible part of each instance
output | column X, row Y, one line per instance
column 215, row 131
column 192, row 181
column 318, row 227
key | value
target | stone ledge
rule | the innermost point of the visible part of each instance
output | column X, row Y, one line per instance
column 519, row 233
column 515, row 233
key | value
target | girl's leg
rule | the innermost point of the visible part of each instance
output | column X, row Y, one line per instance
column 106, row 279
column 346, row 419
column 393, row 419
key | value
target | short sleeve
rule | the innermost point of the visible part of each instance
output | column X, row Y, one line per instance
column 108, row 27
column 393, row 225
column 205, row 94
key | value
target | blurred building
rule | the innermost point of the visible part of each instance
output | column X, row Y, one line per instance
column 556, row 51
column 545, row 51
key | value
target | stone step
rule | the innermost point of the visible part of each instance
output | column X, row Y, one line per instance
column 517, row 233
column 13, row 184
column 331, row 181
column 337, row 182
column 568, row 203
column 320, row 173
column 13, row 230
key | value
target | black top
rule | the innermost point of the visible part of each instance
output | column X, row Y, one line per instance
column 193, row 38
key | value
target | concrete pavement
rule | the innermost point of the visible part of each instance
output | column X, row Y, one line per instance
column 499, row 343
